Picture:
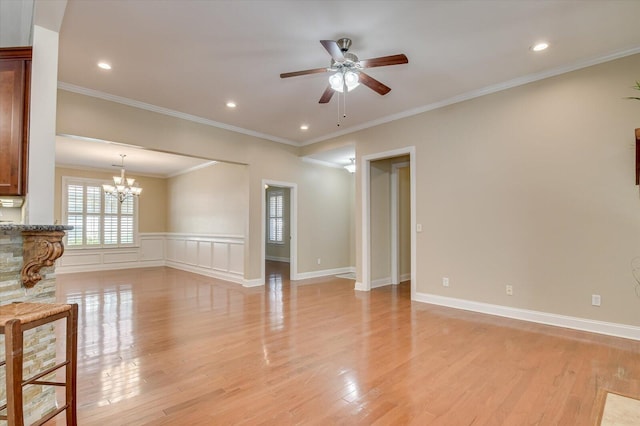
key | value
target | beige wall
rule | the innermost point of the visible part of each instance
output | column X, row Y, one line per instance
column 152, row 203
column 531, row 187
column 324, row 194
column 211, row 200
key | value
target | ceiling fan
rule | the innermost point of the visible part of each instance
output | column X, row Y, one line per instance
column 347, row 69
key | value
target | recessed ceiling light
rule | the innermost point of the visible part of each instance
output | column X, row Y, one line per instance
column 104, row 65
column 304, row 127
column 231, row 104
column 539, row 47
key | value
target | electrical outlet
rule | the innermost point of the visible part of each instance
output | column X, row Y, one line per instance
column 445, row 282
column 509, row 290
column 319, row 261
column 595, row 299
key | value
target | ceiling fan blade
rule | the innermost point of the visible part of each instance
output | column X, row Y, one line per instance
column 326, row 96
column 373, row 84
column 333, row 49
column 305, row 72
column 383, row 61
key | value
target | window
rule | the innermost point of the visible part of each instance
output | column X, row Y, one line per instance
column 275, row 216
column 98, row 220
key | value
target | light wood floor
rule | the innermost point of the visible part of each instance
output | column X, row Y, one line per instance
column 164, row 347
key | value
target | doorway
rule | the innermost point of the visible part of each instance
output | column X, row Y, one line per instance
column 279, row 226
column 400, row 222
column 384, row 236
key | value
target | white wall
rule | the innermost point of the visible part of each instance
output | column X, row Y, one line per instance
column 42, row 127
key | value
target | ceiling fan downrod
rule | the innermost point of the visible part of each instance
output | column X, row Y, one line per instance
column 344, row 44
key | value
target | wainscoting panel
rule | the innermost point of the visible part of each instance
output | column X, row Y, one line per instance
column 204, row 254
column 191, row 252
column 120, row 256
column 236, row 258
column 75, row 258
column 215, row 256
column 179, row 249
column 221, row 256
column 170, row 251
column 152, row 248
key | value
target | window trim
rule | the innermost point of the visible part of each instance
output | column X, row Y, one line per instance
column 70, row 180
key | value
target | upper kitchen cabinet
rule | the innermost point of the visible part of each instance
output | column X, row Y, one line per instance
column 15, row 78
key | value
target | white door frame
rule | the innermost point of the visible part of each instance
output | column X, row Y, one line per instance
column 395, row 222
column 293, row 226
column 365, row 283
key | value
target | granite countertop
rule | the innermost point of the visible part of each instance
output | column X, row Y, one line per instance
column 43, row 228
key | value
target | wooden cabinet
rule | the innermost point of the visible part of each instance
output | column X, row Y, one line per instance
column 15, row 78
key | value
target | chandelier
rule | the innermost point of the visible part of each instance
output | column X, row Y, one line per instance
column 122, row 187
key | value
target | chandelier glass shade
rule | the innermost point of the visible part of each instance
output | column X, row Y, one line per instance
column 344, row 78
column 123, row 187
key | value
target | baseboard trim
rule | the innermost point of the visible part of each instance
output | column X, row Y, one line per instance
column 322, row 273
column 256, row 282
column 360, row 287
column 575, row 323
column 381, row 282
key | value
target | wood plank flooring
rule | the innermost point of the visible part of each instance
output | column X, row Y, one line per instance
column 160, row 346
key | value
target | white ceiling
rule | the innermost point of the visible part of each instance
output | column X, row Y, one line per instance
column 191, row 57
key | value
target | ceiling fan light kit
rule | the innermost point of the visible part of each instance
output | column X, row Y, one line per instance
column 342, row 79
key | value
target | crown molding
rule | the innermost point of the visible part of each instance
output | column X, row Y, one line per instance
column 321, row 163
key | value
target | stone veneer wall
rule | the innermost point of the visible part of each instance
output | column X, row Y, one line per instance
column 40, row 342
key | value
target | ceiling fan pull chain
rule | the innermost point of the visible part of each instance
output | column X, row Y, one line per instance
column 338, row 109
column 344, row 107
